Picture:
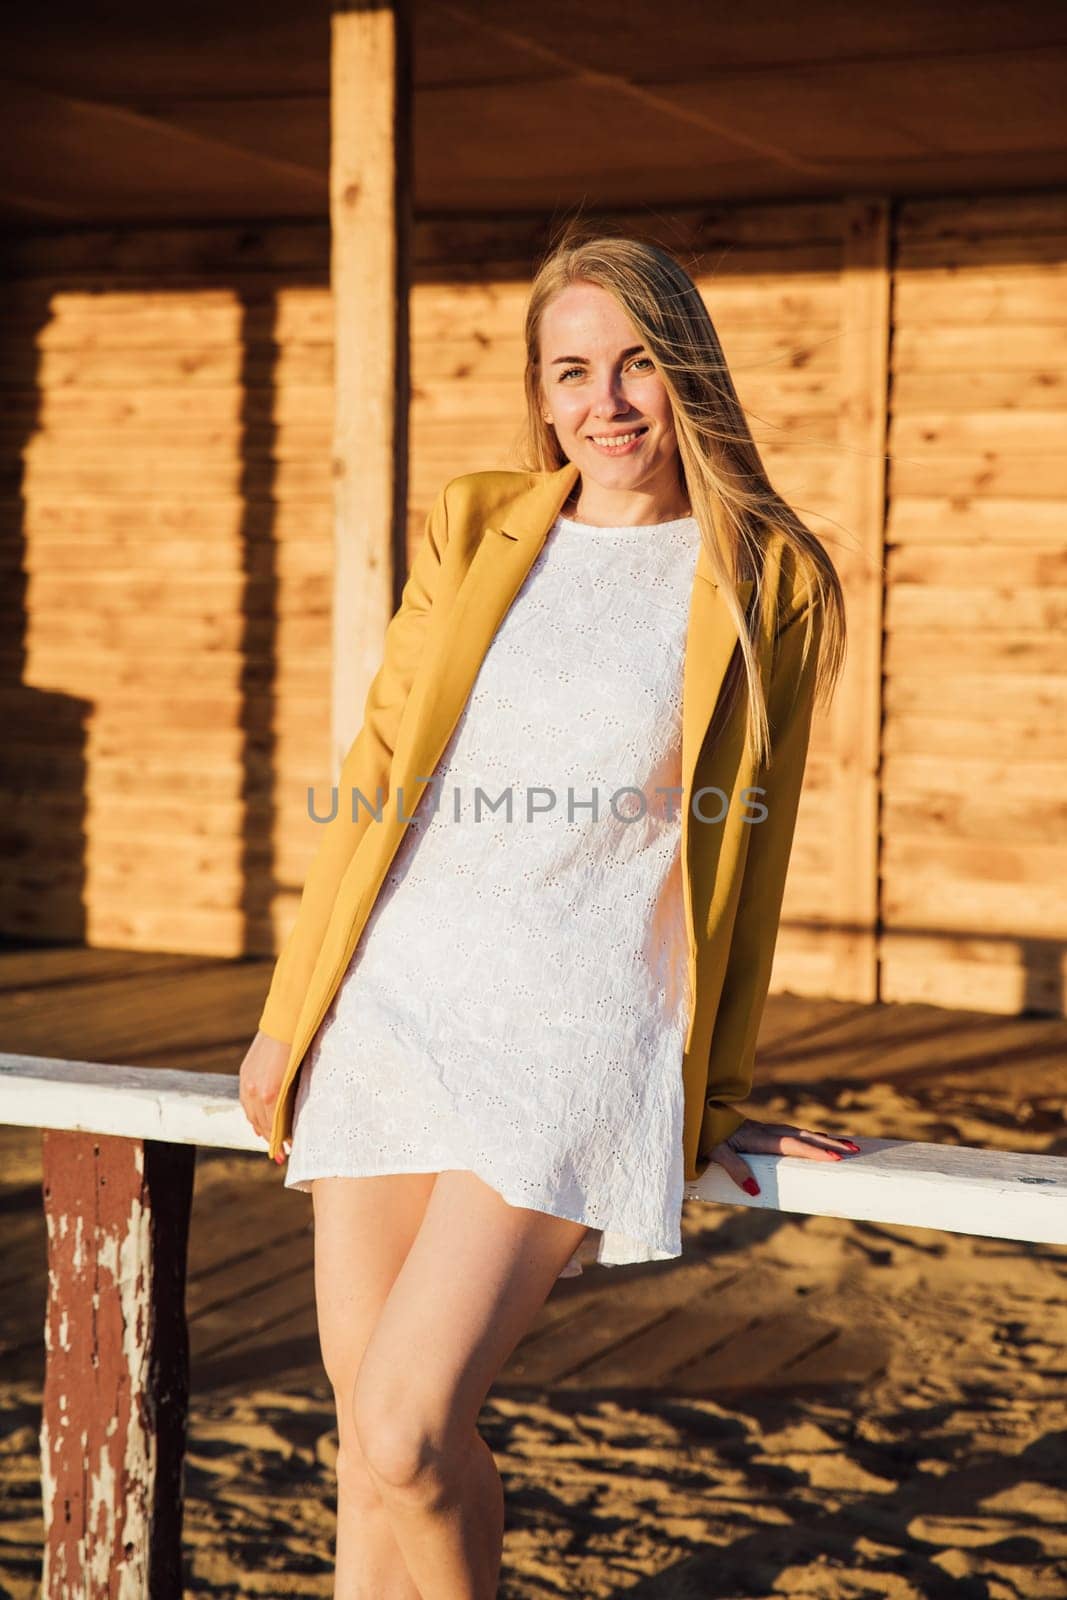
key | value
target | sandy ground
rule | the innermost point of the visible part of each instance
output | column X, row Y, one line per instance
column 943, row 1472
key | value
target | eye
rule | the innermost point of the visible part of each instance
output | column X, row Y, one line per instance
column 637, row 361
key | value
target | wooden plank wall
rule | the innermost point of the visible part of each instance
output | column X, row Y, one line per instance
column 167, row 400
column 169, row 395
column 974, row 781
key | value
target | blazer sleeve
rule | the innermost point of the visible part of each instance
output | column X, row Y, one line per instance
column 790, row 703
column 366, row 768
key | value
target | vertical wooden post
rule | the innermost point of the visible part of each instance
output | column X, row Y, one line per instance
column 370, row 222
column 116, row 1372
column 856, row 711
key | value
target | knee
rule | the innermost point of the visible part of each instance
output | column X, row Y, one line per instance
column 402, row 1452
column 356, row 1487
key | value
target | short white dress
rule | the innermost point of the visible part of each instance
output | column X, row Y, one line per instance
column 518, row 1001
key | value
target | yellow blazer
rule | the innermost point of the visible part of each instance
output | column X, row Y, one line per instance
column 481, row 538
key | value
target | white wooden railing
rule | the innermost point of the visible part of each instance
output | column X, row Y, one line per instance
column 119, row 1149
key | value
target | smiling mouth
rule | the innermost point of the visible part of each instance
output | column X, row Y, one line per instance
column 617, row 441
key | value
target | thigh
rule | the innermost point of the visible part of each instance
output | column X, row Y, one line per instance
column 364, row 1228
column 469, row 1288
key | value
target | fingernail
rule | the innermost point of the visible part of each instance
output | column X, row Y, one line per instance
column 837, row 1155
column 852, row 1146
column 750, row 1186
column 278, row 1159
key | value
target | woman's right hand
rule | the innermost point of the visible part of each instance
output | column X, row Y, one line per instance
column 260, row 1080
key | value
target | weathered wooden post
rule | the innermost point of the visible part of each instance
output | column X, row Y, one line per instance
column 116, row 1366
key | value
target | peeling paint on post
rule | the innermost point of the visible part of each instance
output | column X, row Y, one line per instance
column 117, row 1366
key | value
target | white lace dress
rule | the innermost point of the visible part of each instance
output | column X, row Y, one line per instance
column 517, row 1004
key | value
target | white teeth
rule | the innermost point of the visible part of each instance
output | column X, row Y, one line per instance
column 617, row 441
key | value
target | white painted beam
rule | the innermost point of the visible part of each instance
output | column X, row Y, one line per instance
column 996, row 1194
column 139, row 1102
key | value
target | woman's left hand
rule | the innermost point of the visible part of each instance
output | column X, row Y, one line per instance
column 776, row 1139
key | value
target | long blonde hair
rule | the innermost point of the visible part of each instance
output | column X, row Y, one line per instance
column 732, row 500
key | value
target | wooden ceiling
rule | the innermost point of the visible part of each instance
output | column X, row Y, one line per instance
column 221, row 111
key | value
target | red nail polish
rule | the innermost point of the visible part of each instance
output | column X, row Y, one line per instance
column 750, row 1186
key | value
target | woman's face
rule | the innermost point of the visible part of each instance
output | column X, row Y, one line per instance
column 604, row 396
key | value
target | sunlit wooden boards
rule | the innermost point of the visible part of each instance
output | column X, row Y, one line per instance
column 974, row 776
column 171, row 401
column 167, row 533
column 167, row 539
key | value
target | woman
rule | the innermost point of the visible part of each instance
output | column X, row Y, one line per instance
column 510, row 1028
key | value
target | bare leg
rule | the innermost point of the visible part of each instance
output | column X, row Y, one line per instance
column 472, row 1283
column 364, row 1228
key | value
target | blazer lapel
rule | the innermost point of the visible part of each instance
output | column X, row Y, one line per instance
column 709, row 643
column 494, row 577
column 497, row 571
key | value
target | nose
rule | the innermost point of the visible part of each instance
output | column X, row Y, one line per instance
column 608, row 398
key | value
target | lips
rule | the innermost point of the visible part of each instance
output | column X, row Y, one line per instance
column 619, row 443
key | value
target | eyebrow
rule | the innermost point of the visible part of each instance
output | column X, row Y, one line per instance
column 634, row 350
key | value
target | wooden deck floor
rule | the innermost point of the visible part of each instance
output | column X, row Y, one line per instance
column 730, row 1315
